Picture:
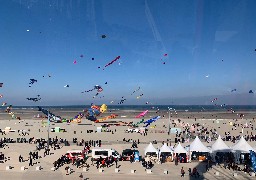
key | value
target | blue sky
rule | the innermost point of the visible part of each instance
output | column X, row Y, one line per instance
column 202, row 38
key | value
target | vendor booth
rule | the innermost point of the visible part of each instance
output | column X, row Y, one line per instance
column 198, row 151
column 166, row 153
column 241, row 151
column 180, row 153
column 151, row 152
column 219, row 150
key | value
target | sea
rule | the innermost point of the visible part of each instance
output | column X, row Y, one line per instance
column 178, row 108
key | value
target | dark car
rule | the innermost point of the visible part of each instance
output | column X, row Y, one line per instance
column 127, row 153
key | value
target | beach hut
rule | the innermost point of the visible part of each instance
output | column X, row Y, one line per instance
column 241, row 150
column 166, row 153
column 219, row 148
column 197, row 150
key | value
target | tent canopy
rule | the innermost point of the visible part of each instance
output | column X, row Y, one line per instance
column 165, row 148
column 150, row 149
column 220, row 146
column 179, row 149
column 198, row 146
column 242, row 146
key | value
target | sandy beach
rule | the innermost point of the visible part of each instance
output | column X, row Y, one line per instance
column 157, row 131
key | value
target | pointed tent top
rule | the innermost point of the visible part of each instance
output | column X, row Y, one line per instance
column 219, row 146
column 165, row 148
column 179, row 149
column 242, row 146
column 150, row 148
column 198, row 146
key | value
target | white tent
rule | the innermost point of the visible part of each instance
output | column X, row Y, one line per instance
column 150, row 149
column 220, row 146
column 165, row 148
column 198, row 146
column 179, row 149
column 242, row 146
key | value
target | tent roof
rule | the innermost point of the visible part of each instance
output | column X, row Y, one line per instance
column 198, row 146
column 242, row 146
column 150, row 148
column 179, row 149
column 165, row 148
column 220, row 146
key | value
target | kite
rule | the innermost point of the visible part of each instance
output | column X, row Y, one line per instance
column 233, row 90
column 1, row 96
column 135, row 91
column 1, row 84
column 74, row 62
column 250, row 91
column 162, row 59
column 92, row 113
column 139, row 96
column 8, row 110
column 96, row 87
column 111, row 62
column 136, row 125
column 66, row 85
column 103, row 36
column 92, row 58
column 4, row 103
column 207, row 76
column 81, row 56
column 32, row 81
column 48, row 75
column 122, row 100
column 52, row 117
column 142, row 114
column 215, row 99
column 112, row 116
column 34, row 99
column 148, row 122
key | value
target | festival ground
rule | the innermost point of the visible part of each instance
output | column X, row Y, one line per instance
column 114, row 138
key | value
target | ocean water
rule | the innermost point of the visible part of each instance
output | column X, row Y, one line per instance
column 189, row 108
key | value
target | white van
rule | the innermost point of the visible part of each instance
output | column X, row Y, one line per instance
column 97, row 153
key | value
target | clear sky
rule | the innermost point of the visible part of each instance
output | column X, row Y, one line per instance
column 210, row 47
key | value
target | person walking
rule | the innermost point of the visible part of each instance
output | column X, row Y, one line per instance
column 182, row 172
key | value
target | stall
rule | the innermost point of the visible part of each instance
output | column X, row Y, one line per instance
column 166, row 153
column 197, row 150
column 180, row 153
column 241, row 151
column 219, row 149
column 151, row 152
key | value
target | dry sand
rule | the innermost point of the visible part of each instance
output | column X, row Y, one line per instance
column 35, row 128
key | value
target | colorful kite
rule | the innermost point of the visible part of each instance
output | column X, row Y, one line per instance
column 142, row 114
column 148, row 122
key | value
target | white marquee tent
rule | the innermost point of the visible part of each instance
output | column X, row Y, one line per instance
column 220, row 146
column 198, row 146
column 165, row 148
column 179, row 149
column 150, row 149
column 242, row 146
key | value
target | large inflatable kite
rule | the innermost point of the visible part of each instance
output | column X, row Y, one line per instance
column 148, row 122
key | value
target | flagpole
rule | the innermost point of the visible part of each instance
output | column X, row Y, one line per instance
column 48, row 142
